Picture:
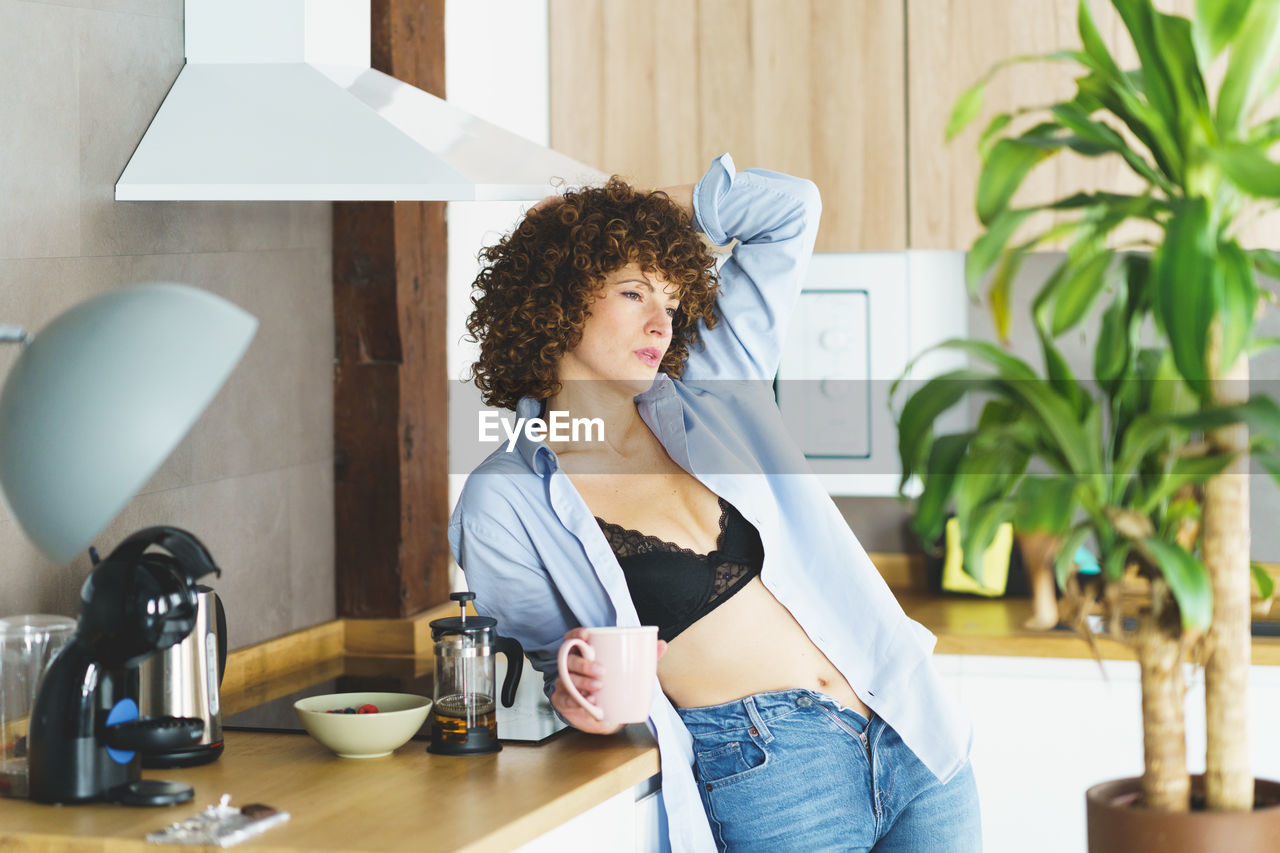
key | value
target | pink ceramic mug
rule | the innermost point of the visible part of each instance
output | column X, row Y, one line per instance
column 630, row 660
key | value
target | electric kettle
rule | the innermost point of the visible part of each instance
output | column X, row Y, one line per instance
column 185, row 680
column 464, row 713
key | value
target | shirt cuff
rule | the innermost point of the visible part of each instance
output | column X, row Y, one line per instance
column 707, row 194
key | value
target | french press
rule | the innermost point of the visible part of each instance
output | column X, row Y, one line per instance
column 464, row 717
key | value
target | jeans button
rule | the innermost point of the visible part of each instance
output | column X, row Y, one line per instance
column 804, row 702
column 752, row 731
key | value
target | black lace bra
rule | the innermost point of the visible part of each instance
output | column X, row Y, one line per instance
column 673, row 587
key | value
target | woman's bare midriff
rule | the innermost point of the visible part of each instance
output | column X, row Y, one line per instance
column 750, row 643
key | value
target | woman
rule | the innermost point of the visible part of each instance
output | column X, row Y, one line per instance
column 792, row 683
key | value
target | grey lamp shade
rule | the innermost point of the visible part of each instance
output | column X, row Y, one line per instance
column 101, row 397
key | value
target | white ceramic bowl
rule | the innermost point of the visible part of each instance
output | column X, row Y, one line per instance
column 399, row 716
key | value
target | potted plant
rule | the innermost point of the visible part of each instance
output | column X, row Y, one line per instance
column 1147, row 459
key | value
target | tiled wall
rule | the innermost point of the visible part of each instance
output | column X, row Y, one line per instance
column 254, row 479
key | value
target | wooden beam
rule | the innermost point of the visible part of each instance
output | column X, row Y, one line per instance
column 390, row 386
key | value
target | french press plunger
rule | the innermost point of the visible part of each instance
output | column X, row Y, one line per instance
column 464, row 715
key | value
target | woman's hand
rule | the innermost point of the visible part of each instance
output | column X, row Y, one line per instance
column 588, row 677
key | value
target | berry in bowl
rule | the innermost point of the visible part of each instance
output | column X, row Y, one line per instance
column 363, row 725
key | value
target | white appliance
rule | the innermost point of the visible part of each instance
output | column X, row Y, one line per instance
column 860, row 319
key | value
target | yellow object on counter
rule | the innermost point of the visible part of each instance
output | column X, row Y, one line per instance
column 995, row 563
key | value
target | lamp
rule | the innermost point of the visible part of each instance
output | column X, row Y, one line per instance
column 101, row 397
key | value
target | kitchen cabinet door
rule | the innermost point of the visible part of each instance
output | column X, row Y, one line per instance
column 1046, row 729
column 653, row 91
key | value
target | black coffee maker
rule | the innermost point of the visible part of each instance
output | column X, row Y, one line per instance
column 86, row 739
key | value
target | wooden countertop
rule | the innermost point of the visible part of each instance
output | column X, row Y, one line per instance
column 414, row 800
column 969, row 625
column 410, row 800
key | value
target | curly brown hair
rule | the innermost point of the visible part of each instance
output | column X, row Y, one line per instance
column 537, row 283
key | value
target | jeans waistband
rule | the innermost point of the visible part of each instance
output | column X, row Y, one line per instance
column 753, row 709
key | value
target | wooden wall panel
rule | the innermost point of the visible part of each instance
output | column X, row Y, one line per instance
column 391, row 499
column 653, row 91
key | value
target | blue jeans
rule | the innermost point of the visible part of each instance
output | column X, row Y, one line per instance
column 796, row 770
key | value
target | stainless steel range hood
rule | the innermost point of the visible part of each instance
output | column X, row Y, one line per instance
column 277, row 102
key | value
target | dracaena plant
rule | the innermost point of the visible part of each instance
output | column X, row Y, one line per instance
column 1148, row 457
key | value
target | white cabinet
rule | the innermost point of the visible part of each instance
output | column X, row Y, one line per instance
column 859, row 320
column 1047, row 729
column 628, row 822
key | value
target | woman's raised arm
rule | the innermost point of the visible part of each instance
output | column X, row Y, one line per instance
column 774, row 217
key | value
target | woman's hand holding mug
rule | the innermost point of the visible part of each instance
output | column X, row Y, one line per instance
column 606, row 677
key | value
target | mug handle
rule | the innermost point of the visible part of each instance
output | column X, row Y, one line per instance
column 562, row 662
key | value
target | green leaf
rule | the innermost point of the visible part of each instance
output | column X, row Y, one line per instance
column 1065, row 564
column 1261, row 577
column 1270, row 464
column 1107, row 140
column 1145, row 435
column 1140, row 19
column 1216, row 24
column 977, row 532
column 997, row 124
column 939, row 479
column 1001, row 291
column 1257, row 346
column 1114, row 563
column 1187, row 578
column 1251, row 53
column 1239, row 300
column 1004, row 171
column 1121, row 97
column 986, row 473
column 1250, row 170
column 1092, row 41
column 987, row 248
column 1059, row 420
column 1174, row 39
column 1045, row 504
column 924, row 407
column 1061, row 378
column 1170, row 394
column 1111, row 353
column 1191, row 471
column 1079, row 288
column 969, row 104
column 1266, row 262
column 1179, row 512
column 1266, row 134
column 1185, row 289
column 1010, row 366
column 967, row 108
column 1260, row 413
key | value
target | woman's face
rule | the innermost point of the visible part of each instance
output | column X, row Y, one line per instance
column 627, row 331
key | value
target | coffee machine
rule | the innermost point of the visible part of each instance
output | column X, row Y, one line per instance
column 86, row 736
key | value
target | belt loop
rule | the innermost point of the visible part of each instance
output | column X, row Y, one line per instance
column 756, row 720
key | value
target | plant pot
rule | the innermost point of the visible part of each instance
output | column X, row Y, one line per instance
column 1117, row 825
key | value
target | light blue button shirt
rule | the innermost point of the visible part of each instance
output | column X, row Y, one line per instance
column 539, row 563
